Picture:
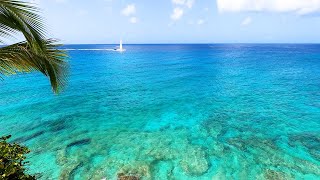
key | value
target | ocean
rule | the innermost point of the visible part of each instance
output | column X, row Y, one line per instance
column 185, row 111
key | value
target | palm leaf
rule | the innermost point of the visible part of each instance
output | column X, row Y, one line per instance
column 20, row 57
column 16, row 16
column 36, row 53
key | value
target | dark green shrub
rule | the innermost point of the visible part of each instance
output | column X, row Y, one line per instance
column 12, row 160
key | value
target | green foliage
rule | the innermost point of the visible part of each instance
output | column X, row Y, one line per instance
column 12, row 160
column 37, row 53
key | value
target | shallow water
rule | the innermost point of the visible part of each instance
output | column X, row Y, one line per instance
column 172, row 112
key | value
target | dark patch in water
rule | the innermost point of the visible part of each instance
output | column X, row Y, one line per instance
column 75, row 170
column 310, row 140
column 271, row 175
column 122, row 176
column 27, row 138
column 57, row 126
column 54, row 125
column 80, row 142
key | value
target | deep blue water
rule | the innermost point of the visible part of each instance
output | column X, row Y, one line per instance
column 234, row 111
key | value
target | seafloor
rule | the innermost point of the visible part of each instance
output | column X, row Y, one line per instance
column 173, row 112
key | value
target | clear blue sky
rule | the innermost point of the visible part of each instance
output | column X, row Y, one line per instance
column 183, row 21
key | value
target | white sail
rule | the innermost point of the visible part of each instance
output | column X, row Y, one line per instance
column 120, row 48
column 121, row 45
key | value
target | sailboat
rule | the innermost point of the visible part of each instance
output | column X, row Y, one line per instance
column 120, row 49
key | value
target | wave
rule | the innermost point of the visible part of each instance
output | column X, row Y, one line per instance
column 89, row 49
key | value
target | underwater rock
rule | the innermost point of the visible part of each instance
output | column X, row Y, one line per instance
column 27, row 138
column 267, row 153
column 195, row 162
column 166, row 154
column 80, row 142
column 137, row 167
column 213, row 147
column 307, row 167
column 57, row 126
column 315, row 153
column 61, row 157
column 238, row 143
column 69, row 169
column 122, row 176
column 162, row 170
column 309, row 140
column 266, row 145
column 213, row 126
column 276, row 175
column 53, row 125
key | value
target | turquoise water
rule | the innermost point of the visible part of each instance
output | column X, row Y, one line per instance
column 172, row 112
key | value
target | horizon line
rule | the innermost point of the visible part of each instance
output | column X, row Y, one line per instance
column 318, row 43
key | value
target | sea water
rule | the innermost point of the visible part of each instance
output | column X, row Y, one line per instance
column 220, row 111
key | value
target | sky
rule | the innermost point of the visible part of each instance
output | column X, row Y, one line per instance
column 182, row 21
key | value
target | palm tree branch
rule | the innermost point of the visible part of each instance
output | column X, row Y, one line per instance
column 36, row 53
column 14, row 19
column 20, row 57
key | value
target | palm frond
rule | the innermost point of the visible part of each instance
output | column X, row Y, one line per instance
column 19, row 58
column 17, row 16
column 36, row 53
